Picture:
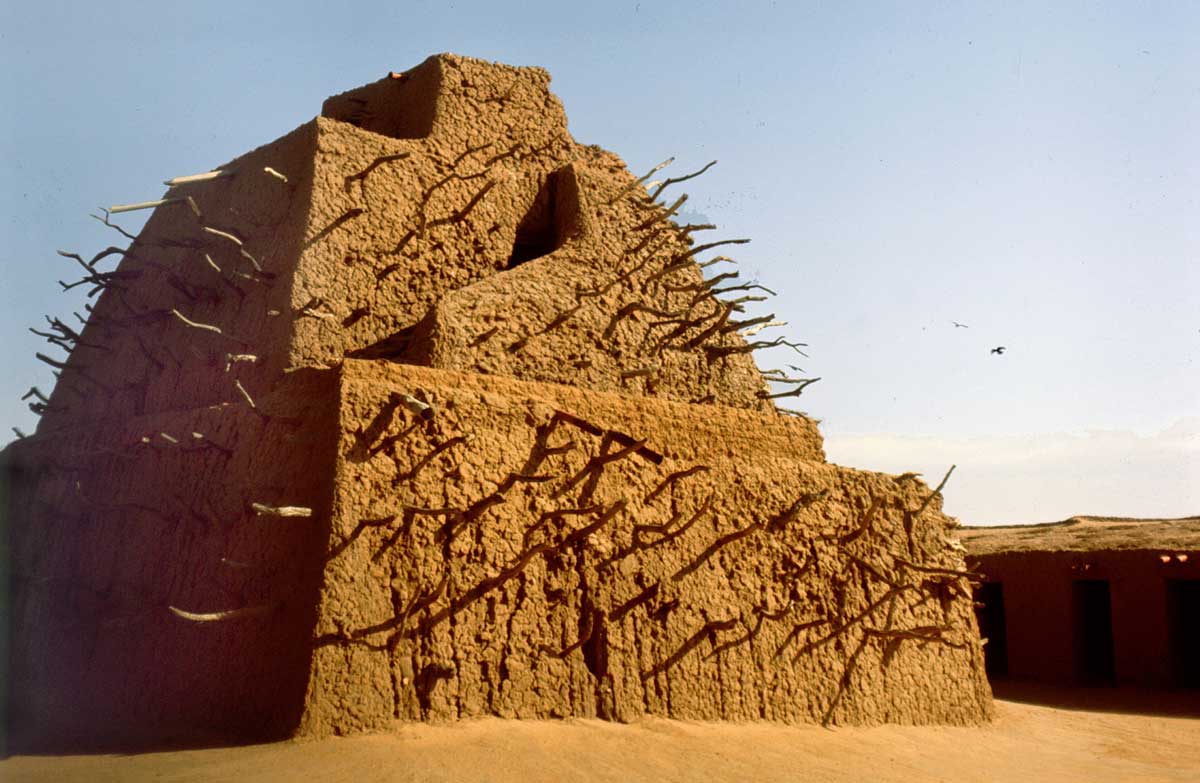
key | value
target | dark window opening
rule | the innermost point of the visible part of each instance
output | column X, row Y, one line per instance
column 1092, row 608
column 1183, row 617
column 537, row 234
column 989, row 612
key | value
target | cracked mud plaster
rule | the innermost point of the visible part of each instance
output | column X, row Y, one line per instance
column 544, row 473
column 527, row 574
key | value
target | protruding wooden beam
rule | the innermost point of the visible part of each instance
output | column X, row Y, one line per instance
column 118, row 208
column 190, row 178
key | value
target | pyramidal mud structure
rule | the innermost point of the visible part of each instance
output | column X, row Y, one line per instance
column 426, row 411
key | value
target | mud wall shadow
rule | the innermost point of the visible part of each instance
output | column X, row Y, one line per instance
column 150, row 611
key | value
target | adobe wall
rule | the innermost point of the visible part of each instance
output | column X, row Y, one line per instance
column 492, row 560
column 740, row 578
column 411, row 248
column 1040, row 615
column 135, row 356
column 373, row 238
column 604, row 514
column 108, row 532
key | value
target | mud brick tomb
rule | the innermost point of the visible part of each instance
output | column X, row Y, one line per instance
column 426, row 411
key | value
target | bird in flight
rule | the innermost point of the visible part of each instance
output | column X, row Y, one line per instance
column 998, row 350
column 957, row 325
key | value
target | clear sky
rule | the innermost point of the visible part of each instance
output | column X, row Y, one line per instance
column 1032, row 173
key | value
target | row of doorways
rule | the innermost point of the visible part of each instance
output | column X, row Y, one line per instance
column 1091, row 609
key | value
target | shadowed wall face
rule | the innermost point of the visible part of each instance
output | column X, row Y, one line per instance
column 1093, row 618
column 151, row 602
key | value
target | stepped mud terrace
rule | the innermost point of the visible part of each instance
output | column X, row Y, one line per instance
column 427, row 411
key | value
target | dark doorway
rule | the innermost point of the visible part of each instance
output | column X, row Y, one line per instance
column 1183, row 616
column 1092, row 605
column 989, row 612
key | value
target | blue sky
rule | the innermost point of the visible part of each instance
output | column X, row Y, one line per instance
column 1031, row 172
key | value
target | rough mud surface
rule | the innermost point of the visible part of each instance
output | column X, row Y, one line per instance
column 125, row 521
column 538, row 551
column 452, row 419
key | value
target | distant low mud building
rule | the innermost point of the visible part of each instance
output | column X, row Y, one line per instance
column 1091, row 601
column 427, row 411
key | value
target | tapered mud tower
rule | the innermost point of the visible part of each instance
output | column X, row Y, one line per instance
column 427, row 411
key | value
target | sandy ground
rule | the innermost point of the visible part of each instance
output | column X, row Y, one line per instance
column 1026, row 742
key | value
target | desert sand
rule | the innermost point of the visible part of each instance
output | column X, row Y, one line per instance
column 1027, row 741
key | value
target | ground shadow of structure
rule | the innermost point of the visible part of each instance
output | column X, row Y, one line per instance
column 1127, row 700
